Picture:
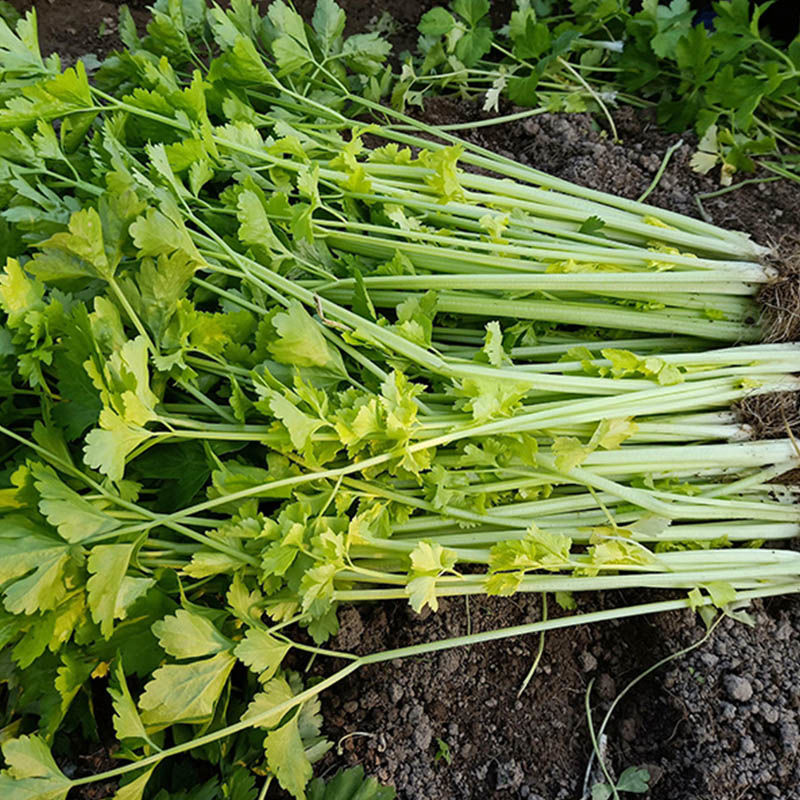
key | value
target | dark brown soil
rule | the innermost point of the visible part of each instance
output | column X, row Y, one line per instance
column 722, row 723
column 75, row 28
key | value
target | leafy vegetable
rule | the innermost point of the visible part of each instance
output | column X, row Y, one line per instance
column 260, row 360
column 732, row 81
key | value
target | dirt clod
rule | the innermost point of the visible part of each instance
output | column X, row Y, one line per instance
column 738, row 688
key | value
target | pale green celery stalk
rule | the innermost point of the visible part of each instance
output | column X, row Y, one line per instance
column 672, row 428
column 714, row 420
column 739, row 454
column 716, row 282
column 719, row 393
column 754, row 563
column 463, row 336
column 477, row 156
column 627, row 514
column 581, row 510
column 732, row 308
column 742, row 567
column 762, row 357
column 668, row 432
column 740, row 578
column 195, row 409
column 545, row 382
column 451, row 259
column 713, row 394
column 633, row 230
column 555, row 343
column 760, row 369
column 218, row 427
column 545, row 233
column 761, row 508
column 683, row 473
column 668, row 505
column 519, row 514
column 670, row 398
column 266, row 278
column 465, row 217
column 576, row 524
column 530, row 511
column 750, row 482
column 548, row 204
column 535, row 259
column 641, row 346
column 684, row 532
column 606, row 315
column 710, row 417
column 198, row 433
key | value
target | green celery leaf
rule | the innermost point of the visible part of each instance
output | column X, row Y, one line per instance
column 18, row 293
column 287, row 21
column 349, row 784
column 188, row 635
column 317, row 588
column 160, row 285
column 185, row 692
column 19, row 50
column 161, row 232
column 421, row 592
column 241, row 65
column 254, row 225
column 634, row 780
column 286, row 757
column 127, row 722
column 50, row 99
column 436, row 22
column 107, row 447
column 71, row 676
column 299, row 340
column 83, row 242
column 290, row 55
column 261, row 652
column 489, row 398
column 244, row 603
column 569, row 452
column 299, row 425
column 366, row 53
column 111, row 591
column 522, row 90
column 722, row 593
column 32, row 772
column 471, row 11
column 134, row 789
column 275, row 693
column 75, row 518
column 25, row 549
column 472, row 46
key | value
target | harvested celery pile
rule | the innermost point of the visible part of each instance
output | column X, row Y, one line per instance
column 262, row 357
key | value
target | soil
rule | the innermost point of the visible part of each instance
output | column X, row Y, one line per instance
column 721, row 723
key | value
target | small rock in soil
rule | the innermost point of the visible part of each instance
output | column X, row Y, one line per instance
column 738, row 688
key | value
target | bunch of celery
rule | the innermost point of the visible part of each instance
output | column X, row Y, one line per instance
column 260, row 351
